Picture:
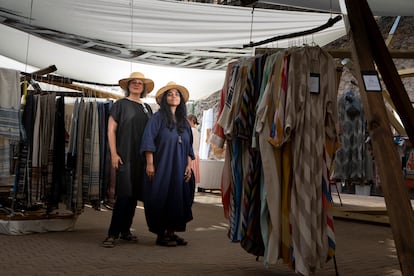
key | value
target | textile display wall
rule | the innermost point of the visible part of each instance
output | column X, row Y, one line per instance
column 9, row 118
column 278, row 119
column 49, row 164
column 354, row 159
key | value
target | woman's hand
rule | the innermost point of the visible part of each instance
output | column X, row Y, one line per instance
column 116, row 161
column 187, row 174
column 150, row 170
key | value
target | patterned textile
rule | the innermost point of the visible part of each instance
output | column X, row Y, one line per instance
column 331, row 145
column 252, row 240
column 231, row 191
column 71, row 156
column 6, row 178
column 304, row 113
column 350, row 157
column 218, row 139
column 90, row 186
column 24, row 172
column 284, row 162
column 9, row 103
column 77, row 198
column 296, row 152
column 271, row 196
column 42, row 163
column 217, row 136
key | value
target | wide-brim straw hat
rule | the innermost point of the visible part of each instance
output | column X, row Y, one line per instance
column 149, row 84
column 171, row 85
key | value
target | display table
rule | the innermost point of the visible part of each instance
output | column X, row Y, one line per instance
column 210, row 174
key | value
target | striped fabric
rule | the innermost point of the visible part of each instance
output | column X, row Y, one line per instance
column 331, row 145
column 271, row 161
column 280, row 141
column 252, row 240
column 304, row 112
column 90, row 172
column 296, row 155
column 9, row 103
column 77, row 199
column 6, row 178
column 9, row 123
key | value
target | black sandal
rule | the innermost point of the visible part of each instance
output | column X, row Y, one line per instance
column 165, row 241
column 109, row 242
column 129, row 238
column 179, row 240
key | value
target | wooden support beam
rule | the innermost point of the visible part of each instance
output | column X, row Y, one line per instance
column 346, row 53
column 87, row 91
column 44, row 71
column 406, row 73
column 367, row 46
column 395, row 53
column 374, row 215
column 392, row 114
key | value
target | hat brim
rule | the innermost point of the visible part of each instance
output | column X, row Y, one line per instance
column 182, row 89
column 149, row 84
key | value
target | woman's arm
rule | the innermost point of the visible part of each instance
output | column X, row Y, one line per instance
column 187, row 174
column 115, row 158
column 150, row 170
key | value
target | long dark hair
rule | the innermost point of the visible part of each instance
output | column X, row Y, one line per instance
column 180, row 113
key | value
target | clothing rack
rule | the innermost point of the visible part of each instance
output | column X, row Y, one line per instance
column 58, row 93
column 69, row 83
column 328, row 24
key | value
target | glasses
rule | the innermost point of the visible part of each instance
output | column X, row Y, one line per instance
column 136, row 83
column 171, row 93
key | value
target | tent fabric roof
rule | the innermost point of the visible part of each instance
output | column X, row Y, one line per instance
column 104, row 40
column 378, row 7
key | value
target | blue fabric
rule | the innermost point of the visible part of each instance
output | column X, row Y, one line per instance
column 167, row 198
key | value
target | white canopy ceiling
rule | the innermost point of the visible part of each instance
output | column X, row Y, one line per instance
column 189, row 43
column 378, row 7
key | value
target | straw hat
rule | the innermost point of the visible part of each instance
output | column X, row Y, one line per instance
column 171, row 85
column 149, row 84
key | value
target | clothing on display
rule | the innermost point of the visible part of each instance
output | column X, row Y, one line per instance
column 276, row 197
column 52, row 164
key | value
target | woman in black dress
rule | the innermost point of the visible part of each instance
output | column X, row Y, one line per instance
column 126, row 124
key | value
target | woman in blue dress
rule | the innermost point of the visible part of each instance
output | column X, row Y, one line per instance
column 169, row 181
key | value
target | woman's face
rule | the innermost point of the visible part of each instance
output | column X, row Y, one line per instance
column 136, row 86
column 173, row 97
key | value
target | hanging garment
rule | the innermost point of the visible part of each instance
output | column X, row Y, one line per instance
column 42, row 162
column 218, row 138
column 271, row 164
column 91, row 156
column 251, row 240
column 282, row 144
column 311, row 99
column 350, row 157
column 233, row 188
column 9, row 103
column 58, row 189
column 107, row 193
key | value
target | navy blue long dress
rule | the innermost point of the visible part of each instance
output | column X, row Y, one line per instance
column 167, row 198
